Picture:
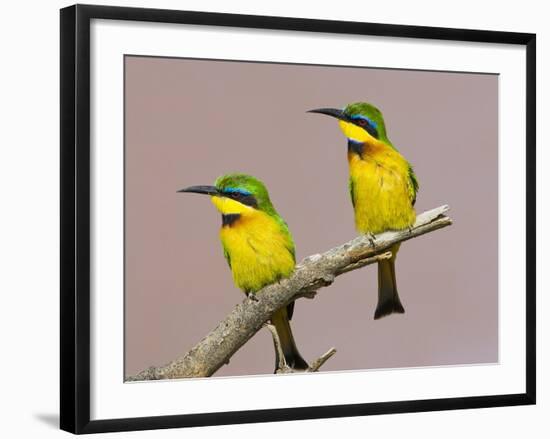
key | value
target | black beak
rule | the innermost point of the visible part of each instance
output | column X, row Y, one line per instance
column 334, row 112
column 207, row 190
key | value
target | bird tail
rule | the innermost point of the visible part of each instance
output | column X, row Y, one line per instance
column 388, row 298
column 293, row 358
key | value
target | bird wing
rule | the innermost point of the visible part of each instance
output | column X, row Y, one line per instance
column 227, row 255
column 352, row 192
column 289, row 242
column 413, row 185
column 412, row 181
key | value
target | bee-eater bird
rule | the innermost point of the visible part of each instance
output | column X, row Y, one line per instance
column 382, row 186
column 257, row 245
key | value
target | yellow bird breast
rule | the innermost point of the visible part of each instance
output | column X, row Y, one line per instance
column 380, row 190
column 259, row 251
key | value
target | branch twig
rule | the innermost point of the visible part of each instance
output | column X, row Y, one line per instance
column 282, row 366
column 313, row 273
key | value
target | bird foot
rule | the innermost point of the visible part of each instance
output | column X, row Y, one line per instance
column 372, row 239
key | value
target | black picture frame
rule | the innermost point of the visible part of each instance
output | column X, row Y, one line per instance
column 75, row 217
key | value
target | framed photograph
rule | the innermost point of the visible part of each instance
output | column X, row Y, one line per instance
column 234, row 193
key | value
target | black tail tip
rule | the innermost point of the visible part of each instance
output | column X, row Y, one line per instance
column 387, row 308
column 297, row 362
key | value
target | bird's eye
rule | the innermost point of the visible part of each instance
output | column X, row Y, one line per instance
column 361, row 122
column 236, row 195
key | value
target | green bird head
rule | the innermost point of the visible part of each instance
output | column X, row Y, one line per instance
column 360, row 122
column 237, row 194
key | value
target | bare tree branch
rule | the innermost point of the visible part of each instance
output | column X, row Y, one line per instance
column 313, row 273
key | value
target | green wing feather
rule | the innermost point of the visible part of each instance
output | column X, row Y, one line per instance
column 289, row 244
column 352, row 192
column 413, row 185
column 227, row 255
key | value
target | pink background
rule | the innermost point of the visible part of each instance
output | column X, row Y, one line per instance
column 188, row 121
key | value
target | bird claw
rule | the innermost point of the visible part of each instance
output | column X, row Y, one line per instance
column 252, row 296
column 372, row 239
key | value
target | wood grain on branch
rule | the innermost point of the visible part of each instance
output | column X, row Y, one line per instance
column 313, row 273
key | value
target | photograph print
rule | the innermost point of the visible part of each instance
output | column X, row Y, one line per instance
column 243, row 178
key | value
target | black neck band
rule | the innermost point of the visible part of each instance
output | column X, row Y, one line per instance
column 356, row 147
column 229, row 219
